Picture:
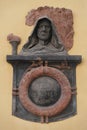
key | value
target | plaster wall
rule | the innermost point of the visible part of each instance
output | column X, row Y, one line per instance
column 12, row 19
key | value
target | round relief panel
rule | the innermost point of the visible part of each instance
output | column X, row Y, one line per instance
column 44, row 91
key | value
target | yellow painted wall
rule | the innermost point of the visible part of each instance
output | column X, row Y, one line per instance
column 12, row 19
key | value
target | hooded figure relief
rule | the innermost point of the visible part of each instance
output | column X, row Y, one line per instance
column 43, row 40
column 44, row 75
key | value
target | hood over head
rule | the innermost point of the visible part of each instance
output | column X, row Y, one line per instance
column 54, row 38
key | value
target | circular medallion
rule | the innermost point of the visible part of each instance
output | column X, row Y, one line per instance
column 44, row 91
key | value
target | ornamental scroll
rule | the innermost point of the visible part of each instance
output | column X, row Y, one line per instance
column 44, row 75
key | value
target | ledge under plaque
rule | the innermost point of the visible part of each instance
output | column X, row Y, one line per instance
column 44, row 75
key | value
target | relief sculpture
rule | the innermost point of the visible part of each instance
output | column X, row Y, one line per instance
column 44, row 40
column 44, row 74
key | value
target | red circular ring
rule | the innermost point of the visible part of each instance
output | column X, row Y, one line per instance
column 54, row 109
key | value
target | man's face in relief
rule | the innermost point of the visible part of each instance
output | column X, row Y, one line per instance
column 44, row 31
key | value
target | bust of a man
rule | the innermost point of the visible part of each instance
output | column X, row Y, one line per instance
column 43, row 40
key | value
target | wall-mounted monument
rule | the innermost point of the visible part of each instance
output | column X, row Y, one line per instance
column 44, row 75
